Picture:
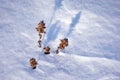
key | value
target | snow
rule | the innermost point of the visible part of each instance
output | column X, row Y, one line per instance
column 91, row 26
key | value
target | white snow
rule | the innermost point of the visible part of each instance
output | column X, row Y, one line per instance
column 92, row 27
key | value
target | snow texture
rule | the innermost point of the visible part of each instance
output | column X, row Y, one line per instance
column 92, row 27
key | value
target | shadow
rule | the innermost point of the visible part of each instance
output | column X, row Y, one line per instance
column 53, row 29
column 52, row 32
column 58, row 4
column 75, row 20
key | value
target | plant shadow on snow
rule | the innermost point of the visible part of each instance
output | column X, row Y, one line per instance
column 54, row 29
column 58, row 4
column 74, row 22
column 53, row 32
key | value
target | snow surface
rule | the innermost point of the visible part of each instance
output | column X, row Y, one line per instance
column 92, row 27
